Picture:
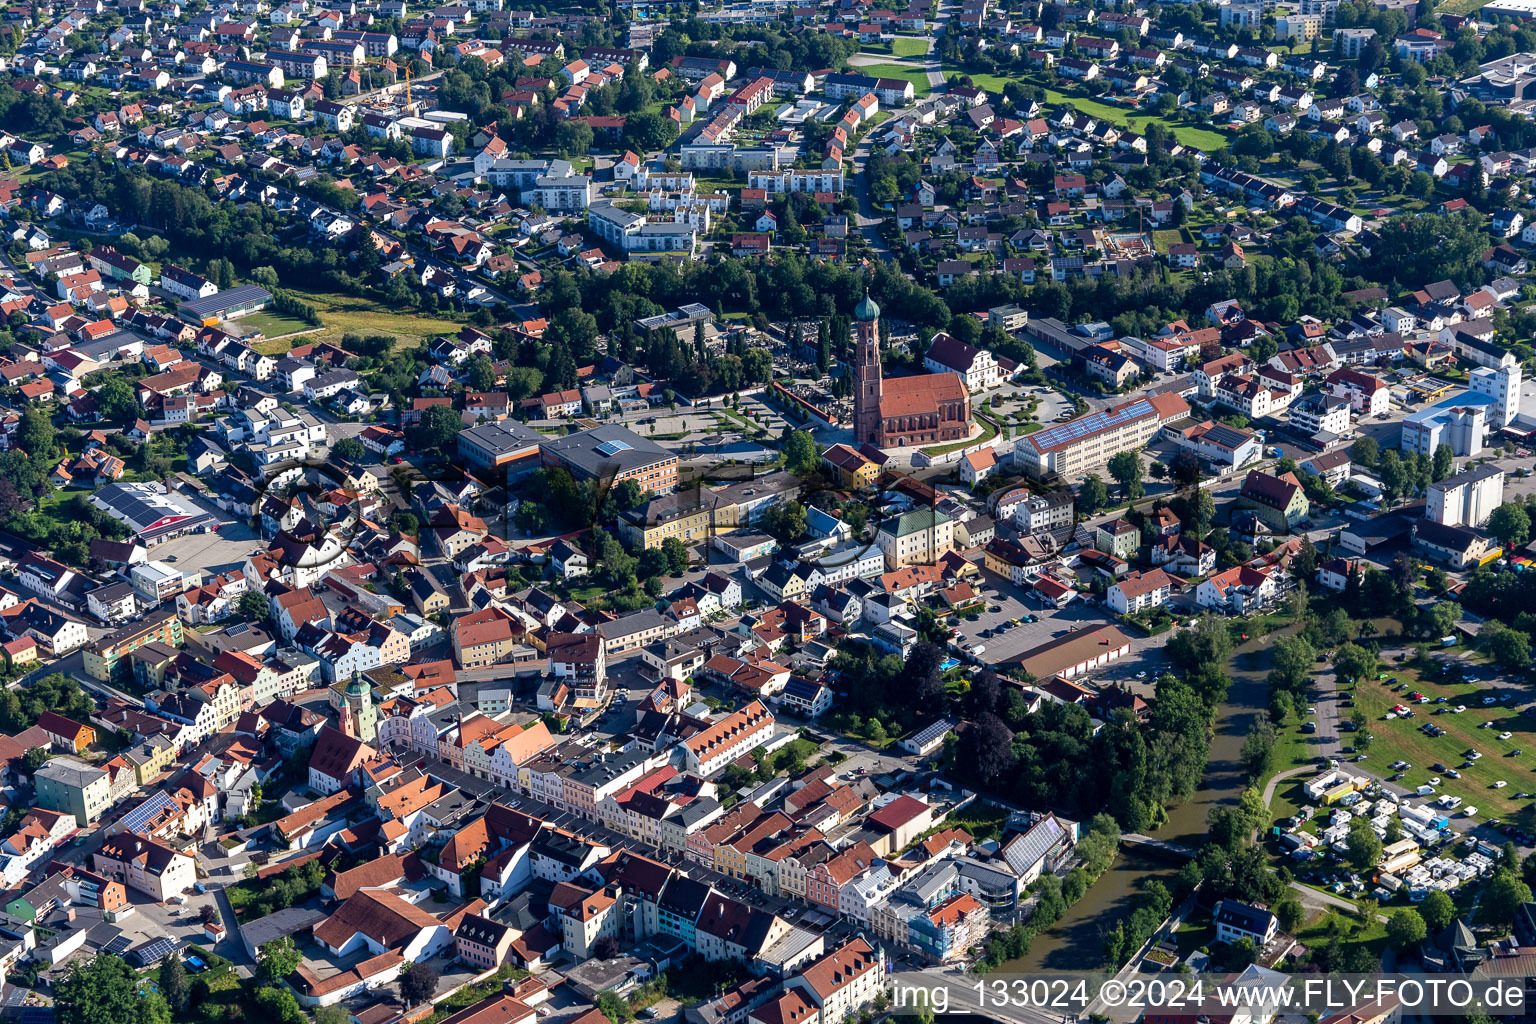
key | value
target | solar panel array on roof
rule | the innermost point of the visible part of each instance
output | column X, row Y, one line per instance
column 137, row 819
column 1026, row 850
column 37, row 1015
column 1087, row 426
column 118, row 946
column 800, row 689
column 1225, row 436
column 154, row 951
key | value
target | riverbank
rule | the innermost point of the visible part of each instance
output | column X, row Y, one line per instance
column 1076, row 941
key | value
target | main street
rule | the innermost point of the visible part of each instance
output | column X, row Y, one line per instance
column 869, row 220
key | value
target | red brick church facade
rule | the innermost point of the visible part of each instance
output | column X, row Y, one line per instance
column 930, row 408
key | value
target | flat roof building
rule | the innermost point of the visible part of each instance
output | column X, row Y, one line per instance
column 500, row 444
column 615, row 454
column 231, row 304
column 1069, row 449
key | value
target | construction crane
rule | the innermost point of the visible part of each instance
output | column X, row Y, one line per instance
column 410, row 104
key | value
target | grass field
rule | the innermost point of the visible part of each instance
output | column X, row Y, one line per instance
column 909, row 46
column 1161, row 240
column 1316, row 933
column 916, row 76
column 349, row 314
column 1206, row 139
column 1401, row 740
column 273, row 325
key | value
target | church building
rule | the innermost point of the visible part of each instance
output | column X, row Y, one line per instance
column 931, row 408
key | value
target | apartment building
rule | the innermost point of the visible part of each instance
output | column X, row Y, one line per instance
column 1071, row 449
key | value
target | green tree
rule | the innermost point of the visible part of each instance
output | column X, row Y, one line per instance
column 173, row 983
column 277, row 1005
column 1127, row 470
column 34, row 759
column 1291, row 915
column 1440, row 618
column 35, row 434
column 1365, row 451
column 418, row 984
column 253, row 604
column 676, row 552
column 785, row 522
column 1294, row 659
column 1363, row 846
column 573, row 138
column 105, row 990
column 1406, row 928
column 1259, row 749
column 117, row 401
column 1438, row 911
column 800, row 455
column 350, row 449
column 1510, row 648
column 1502, row 899
column 1510, row 523
column 1444, row 461
column 1241, row 953
column 1354, row 662
column 614, row 1008
column 438, row 429
column 278, row 959
column 1093, row 495
column 649, row 131
column 480, row 372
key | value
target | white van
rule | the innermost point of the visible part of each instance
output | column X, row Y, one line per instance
column 1425, row 790
column 1469, row 812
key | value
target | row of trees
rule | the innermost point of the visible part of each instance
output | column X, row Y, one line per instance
column 1096, row 850
column 1131, row 770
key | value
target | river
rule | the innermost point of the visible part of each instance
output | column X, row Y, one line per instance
column 1075, row 942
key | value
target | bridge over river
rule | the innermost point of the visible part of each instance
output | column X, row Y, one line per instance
column 1166, row 845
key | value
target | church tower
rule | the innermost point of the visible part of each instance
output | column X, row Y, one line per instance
column 359, row 715
column 866, row 372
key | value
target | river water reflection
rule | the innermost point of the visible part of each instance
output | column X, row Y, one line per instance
column 1075, row 943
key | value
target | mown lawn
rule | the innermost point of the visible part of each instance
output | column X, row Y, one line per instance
column 1400, row 739
column 909, row 46
column 273, row 325
column 1206, row 139
column 916, row 76
column 1316, row 933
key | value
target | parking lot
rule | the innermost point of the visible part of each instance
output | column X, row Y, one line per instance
column 1014, row 602
column 210, row 552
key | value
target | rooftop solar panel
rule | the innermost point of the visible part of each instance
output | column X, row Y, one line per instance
column 1086, row 426
column 155, row 950
column 136, row 819
column 1225, row 436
